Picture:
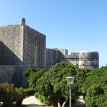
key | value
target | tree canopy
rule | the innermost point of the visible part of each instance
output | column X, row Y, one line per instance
column 52, row 86
column 95, row 88
column 33, row 75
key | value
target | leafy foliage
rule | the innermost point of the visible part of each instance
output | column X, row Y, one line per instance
column 52, row 86
column 10, row 94
column 33, row 75
column 81, row 75
column 95, row 88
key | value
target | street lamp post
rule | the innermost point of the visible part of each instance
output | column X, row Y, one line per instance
column 70, row 81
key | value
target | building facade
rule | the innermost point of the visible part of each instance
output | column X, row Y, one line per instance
column 81, row 59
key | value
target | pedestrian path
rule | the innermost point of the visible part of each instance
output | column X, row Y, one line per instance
column 32, row 101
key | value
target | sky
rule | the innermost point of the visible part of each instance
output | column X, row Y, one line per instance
column 76, row 25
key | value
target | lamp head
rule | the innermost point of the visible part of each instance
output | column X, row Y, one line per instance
column 70, row 80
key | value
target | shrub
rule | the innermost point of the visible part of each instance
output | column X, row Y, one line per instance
column 10, row 94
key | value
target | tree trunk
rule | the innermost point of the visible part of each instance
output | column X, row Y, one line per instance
column 59, row 105
column 63, row 105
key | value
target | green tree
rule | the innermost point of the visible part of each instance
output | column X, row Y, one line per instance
column 52, row 86
column 95, row 88
column 33, row 75
column 81, row 75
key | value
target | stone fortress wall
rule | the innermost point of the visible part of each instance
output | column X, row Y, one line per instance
column 6, row 73
column 34, row 49
column 21, row 47
column 84, row 59
column 11, row 45
column 81, row 59
column 52, row 57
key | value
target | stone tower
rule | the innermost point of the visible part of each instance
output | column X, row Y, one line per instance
column 21, row 47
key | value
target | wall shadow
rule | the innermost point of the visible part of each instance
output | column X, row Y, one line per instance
column 7, row 57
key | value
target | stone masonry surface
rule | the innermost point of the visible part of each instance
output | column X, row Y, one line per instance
column 21, row 47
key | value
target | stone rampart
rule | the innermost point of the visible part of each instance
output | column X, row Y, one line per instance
column 21, row 47
column 34, row 48
column 11, row 45
column 6, row 73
